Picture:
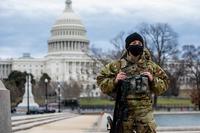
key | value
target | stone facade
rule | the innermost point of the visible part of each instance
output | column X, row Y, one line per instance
column 5, row 68
column 5, row 119
column 67, row 56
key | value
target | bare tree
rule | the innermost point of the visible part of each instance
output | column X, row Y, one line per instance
column 175, row 70
column 99, row 56
column 15, row 93
column 162, row 42
column 71, row 89
column 39, row 90
column 16, row 84
column 118, row 43
column 104, row 57
column 191, row 55
column 159, row 38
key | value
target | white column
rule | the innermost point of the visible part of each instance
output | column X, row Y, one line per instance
column 74, row 70
column 58, row 43
column 76, row 48
column 79, row 67
column 55, row 46
column 64, row 71
column 5, row 70
column 68, row 67
column 55, row 43
column 65, row 45
column 52, row 47
column 79, row 46
column 61, row 46
column 82, row 48
column 79, row 70
column 70, row 45
column 73, row 45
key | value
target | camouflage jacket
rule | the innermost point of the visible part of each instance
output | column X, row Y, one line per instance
column 106, row 80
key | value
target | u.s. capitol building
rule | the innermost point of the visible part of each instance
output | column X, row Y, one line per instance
column 67, row 56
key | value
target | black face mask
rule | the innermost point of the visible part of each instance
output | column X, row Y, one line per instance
column 135, row 49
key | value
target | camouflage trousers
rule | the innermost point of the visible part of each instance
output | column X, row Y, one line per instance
column 138, row 127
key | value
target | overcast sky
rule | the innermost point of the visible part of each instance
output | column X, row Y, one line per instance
column 25, row 24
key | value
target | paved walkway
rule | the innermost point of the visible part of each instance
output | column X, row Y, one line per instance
column 78, row 124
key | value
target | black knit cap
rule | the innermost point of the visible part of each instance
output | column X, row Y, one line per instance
column 132, row 37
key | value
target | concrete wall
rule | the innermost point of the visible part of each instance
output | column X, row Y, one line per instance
column 5, row 114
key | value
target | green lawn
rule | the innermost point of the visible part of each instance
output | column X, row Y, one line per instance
column 95, row 101
column 174, row 101
column 161, row 101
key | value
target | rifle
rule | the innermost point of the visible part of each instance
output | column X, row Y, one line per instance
column 120, row 112
column 140, row 86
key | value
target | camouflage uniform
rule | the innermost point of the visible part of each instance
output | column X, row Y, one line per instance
column 140, row 116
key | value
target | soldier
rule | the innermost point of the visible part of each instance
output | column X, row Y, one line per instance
column 135, row 63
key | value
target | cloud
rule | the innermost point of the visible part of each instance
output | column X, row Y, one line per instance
column 25, row 24
column 154, row 10
column 30, row 8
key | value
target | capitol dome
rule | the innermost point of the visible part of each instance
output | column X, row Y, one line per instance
column 68, row 34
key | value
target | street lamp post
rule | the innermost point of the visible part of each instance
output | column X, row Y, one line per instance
column 46, row 94
column 59, row 95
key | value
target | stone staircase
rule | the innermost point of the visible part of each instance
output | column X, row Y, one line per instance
column 26, row 122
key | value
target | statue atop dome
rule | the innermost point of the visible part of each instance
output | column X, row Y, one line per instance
column 68, row 5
